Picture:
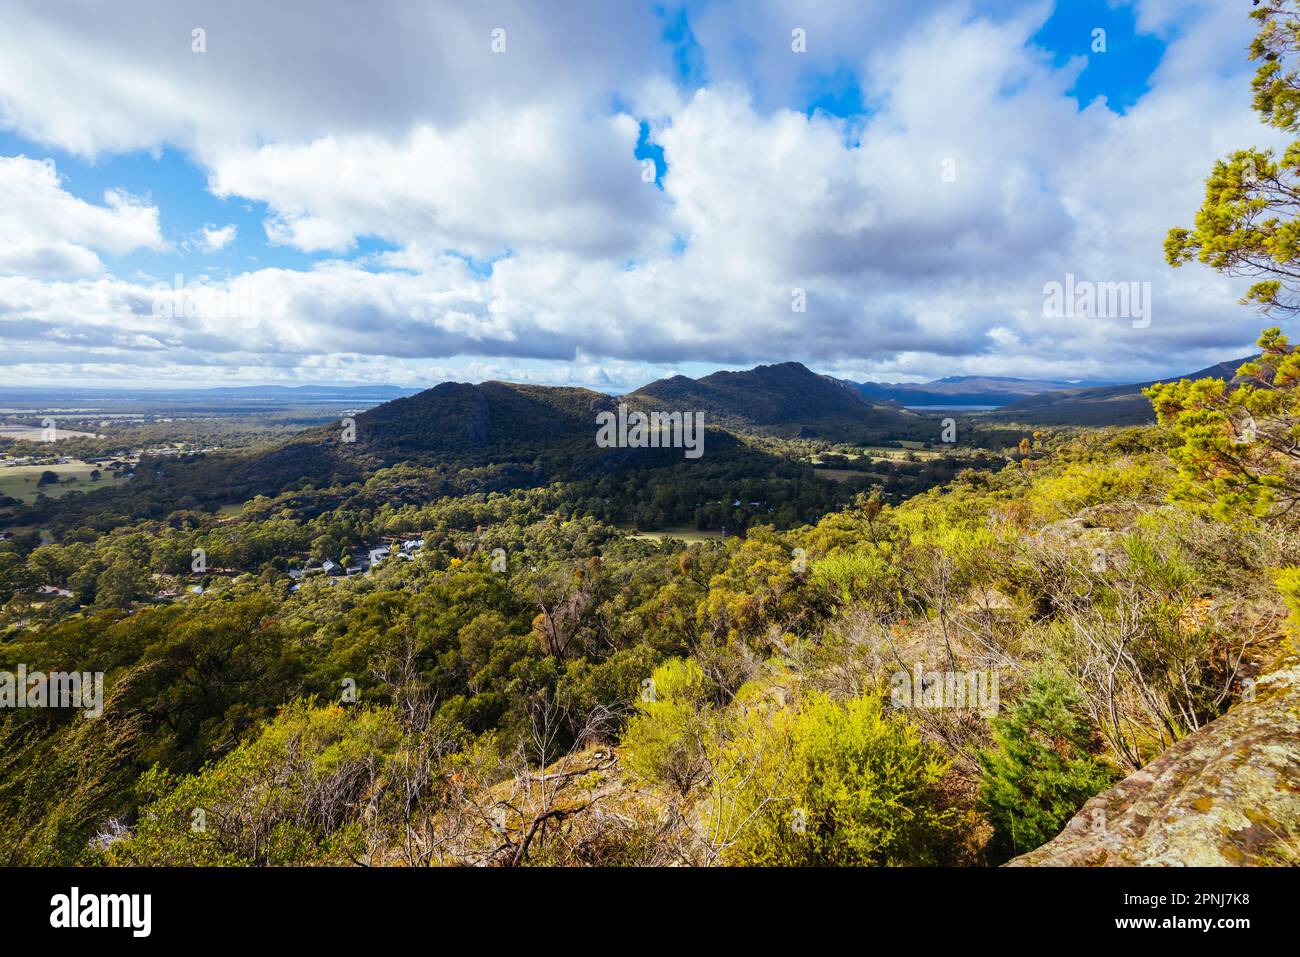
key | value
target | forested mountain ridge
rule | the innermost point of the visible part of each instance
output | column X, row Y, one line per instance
column 784, row 399
column 496, row 436
column 453, row 423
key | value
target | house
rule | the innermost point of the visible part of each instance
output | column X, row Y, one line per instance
column 411, row 544
column 329, row 567
column 379, row 554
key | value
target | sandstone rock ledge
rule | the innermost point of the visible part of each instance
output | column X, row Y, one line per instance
column 1228, row 794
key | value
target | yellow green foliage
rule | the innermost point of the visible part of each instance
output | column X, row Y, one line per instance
column 1238, row 450
column 665, row 740
column 828, row 783
column 286, row 797
column 1084, row 484
column 1288, row 583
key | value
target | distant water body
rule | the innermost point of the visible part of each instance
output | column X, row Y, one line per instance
column 952, row 408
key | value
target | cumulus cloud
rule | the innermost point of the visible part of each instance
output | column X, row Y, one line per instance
column 536, row 178
column 45, row 231
column 94, row 78
column 517, row 236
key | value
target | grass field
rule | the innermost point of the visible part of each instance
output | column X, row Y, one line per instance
column 19, row 481
column 686, row 533
column 843, row 475
column 35, row 433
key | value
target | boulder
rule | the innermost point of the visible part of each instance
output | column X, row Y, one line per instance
column 1227, row 794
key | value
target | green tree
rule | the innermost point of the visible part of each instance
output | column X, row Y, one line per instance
column 668, row 737
column 1247, row 225
column 1238, row 449
column 1039, row 771
column 121, row 583
column 291, row 796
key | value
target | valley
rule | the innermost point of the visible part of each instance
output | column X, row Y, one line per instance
column 472, row 554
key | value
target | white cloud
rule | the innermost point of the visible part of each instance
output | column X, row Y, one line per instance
column 404, row 127
column 528, row 178
column 213, row 239
column 95, row 78
column 45, row 231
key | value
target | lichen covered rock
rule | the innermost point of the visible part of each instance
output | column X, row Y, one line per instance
column 1228, row 794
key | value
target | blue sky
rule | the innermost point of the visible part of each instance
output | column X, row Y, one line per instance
column 492, row 220
column 178, row 184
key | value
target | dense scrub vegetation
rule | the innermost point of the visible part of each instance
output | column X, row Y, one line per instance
column 538, row 687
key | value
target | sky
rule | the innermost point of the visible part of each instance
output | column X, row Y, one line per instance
column 601, row 194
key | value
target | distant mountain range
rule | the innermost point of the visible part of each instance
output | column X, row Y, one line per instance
column 553, row 427
column 494, row 436
column 963, row 390
column 1107, row 405
column 498, row 435
column 530, row 434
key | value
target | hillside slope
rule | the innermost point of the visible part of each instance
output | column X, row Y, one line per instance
column 787, row 399
column 1109, row 405
column 453, row 424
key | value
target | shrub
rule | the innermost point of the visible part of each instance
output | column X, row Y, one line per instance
column 1039, row 771
column 289, row 797
column 829, row 783
column 1288, row 583
column 665, row 741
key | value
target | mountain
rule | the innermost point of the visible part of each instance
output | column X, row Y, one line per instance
column 786, row 399
column 454, row 423
column 499, row 435
column 1108, row 405
column 961, row 390
column 496, row 436
column 490, row 436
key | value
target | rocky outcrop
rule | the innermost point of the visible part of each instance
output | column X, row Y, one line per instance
column 1228, row 794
